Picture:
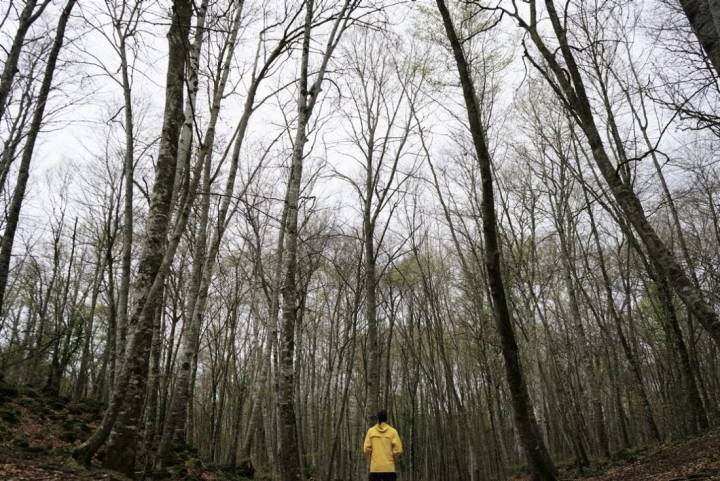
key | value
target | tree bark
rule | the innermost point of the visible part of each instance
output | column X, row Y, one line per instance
column 128, row 176
column 704, row 17
column 530, row 437
column 121, row 419
column 289, row 456
column 374, row 349
column 204, row 257
column 25, row 21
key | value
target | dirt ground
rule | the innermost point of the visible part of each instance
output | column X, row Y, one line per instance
column 37, row 435
column 695, row 459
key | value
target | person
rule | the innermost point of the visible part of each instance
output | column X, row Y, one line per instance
column 382, row 447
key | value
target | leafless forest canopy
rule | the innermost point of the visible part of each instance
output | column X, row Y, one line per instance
column 245, row 226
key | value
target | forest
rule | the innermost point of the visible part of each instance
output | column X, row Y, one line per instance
column 241, row 228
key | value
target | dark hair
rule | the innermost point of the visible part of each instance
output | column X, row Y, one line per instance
column 382, row 416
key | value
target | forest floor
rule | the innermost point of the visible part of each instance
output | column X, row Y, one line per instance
column 38, row 432
column 695, row 459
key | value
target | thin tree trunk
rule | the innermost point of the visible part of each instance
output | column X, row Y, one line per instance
column 374, row 351
column 62, row 311
column 533, row 444
column 128, row 177
column 204, row 260
column 18, row 196
column 289, row 455
column 289, row 458
column 81, row 383
column 635, row 368
column 175, row 422
column 153, row 394
column 696, row 412
column 25, row 21
column 575, row 96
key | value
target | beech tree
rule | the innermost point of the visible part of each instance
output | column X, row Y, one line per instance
column 497, row 221
column 526, row 424
column 120, row 422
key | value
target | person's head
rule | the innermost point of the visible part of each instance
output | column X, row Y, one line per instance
column 382, row 416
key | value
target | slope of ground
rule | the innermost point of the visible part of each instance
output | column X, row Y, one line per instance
column 692, row 460
column 37, row 434
column 696, row 459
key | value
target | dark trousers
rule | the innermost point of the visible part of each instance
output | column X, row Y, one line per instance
column 383, row 476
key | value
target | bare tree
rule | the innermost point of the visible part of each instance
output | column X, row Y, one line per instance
column 123, row 411
column 28, row 15
column 13, row 217
column 532, row 442
column 308, row 93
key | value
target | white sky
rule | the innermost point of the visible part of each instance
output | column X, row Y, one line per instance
column 80, row 133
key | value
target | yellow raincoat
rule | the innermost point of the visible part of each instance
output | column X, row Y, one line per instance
column 382, row 445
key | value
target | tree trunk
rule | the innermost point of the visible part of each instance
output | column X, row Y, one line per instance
column 204, row 258
column 373, row 350
column 153, row 394
column 123, row 414
column 577, row 100
column 289, row 456
column 25, row 21
column 635, row 368
column 175, row 422
column 18, row 196
column 128, row 177
column 533, row 444
column 704, row 17
column 697, row 419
